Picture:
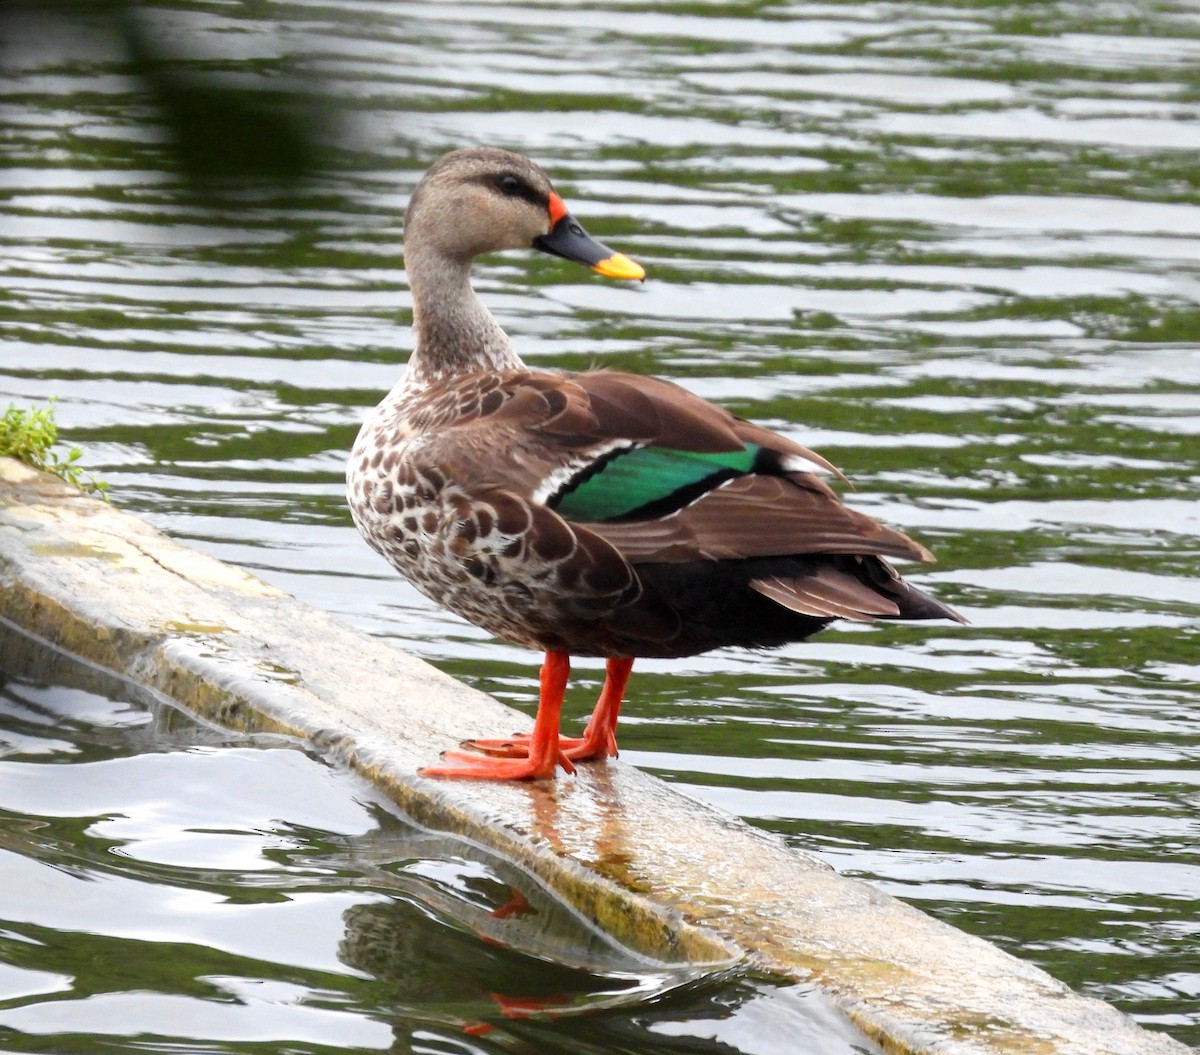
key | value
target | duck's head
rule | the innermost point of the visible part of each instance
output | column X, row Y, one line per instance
column 480, row 200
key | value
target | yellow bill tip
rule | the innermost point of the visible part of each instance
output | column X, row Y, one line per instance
column 619, row 266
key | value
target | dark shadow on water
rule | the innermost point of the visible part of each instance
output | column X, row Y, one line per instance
column 234, row 130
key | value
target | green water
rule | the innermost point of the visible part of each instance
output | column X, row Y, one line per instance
column 954, row 248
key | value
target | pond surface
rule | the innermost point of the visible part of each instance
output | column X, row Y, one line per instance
column 953, row 247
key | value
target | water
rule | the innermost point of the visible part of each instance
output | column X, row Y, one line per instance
column 951, row 247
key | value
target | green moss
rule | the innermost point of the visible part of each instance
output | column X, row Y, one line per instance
column 30, row 437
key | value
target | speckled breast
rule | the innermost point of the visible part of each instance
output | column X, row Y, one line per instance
column 465, row 554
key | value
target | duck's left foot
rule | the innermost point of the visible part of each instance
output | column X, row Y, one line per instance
column 576, row 748
column 463, row 766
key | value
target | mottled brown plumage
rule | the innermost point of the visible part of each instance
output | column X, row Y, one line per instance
column 603, row 513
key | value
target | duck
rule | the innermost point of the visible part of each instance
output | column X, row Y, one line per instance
column 593, row 514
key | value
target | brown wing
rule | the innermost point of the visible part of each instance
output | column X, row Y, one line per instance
column 529, row 432
column 759, row 516
column 569, row 413
column 670, row 416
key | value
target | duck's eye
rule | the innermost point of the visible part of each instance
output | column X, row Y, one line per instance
column 510, row 184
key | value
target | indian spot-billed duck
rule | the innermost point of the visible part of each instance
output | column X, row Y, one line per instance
column 591, row 514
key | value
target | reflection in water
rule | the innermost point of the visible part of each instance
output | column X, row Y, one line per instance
column 951, row 248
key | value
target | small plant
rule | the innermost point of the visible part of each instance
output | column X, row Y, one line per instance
column 30, row 436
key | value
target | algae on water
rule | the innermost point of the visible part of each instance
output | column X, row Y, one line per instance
column 30, row 436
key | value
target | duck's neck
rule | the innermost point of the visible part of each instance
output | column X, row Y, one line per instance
column 453, row 332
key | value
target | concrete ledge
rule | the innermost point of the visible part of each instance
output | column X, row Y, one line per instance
column 664, row 875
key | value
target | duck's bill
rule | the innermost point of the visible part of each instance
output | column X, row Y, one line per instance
column 570, row 241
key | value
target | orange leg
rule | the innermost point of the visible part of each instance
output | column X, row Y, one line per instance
column 600, row 736
column 541, row 757
column 599, row 739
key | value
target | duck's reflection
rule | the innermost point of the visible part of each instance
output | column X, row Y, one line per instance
column 468, row 939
